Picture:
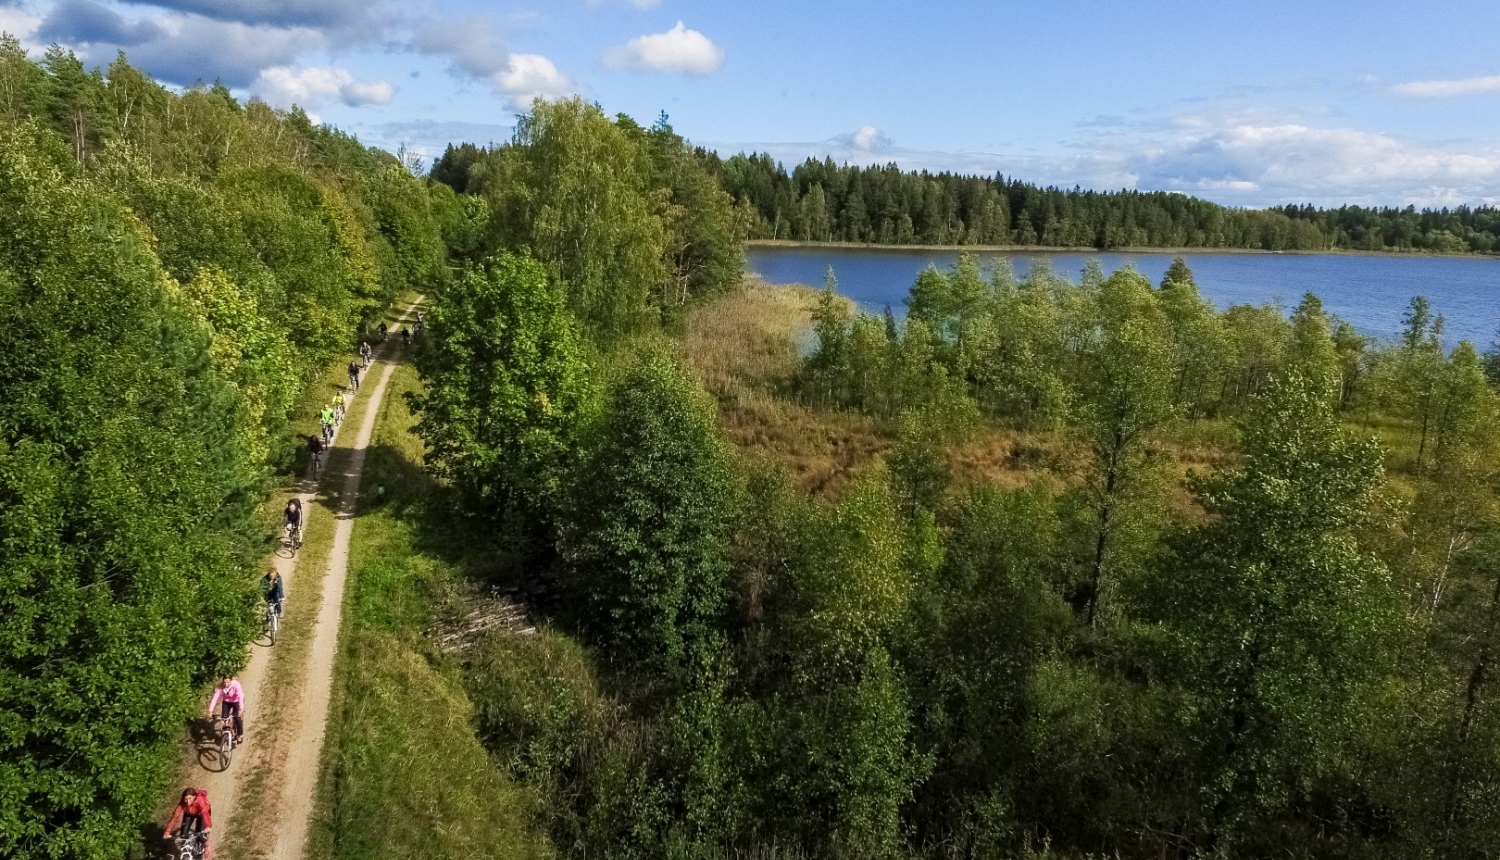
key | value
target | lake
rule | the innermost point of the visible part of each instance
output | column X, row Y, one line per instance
column 1370, row 292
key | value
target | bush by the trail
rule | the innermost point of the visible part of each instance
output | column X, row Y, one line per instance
column 505, row 378
column 652, row 506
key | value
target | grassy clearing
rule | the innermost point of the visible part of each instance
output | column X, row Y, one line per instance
column 403, row 771
column 745, row 348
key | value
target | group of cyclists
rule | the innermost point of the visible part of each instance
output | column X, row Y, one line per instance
column 405, row 332
column 192, row 819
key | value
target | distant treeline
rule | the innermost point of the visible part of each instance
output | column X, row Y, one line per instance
column 826, row 202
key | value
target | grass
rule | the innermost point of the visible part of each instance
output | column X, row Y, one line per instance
column 403, row 772
column 745, row 348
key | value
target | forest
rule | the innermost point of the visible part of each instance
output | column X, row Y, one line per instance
column 1043, row 568
column 821, row 201
column 175, row 270
column 1049, row 567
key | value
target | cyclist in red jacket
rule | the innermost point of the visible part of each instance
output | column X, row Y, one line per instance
column 191, row 820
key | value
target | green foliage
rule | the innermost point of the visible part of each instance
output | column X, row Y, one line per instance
column 651, row 506
column 1418, row 371
column 573, row 190
column 505, row 383
column 632, row 222
column 848, row 582
column 991, row 613
column 702, row 237
column 462, row 220
column 1279, row 617
column 1312, row 352
column 127, row 470
column 827, row 750
column 1126, row 396
column 1201, row 346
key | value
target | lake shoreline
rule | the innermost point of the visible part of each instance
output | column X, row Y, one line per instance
column 1369, row 290
column 1086, row 250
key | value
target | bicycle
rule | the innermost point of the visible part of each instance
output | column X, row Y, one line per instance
column 191, row 847
column 317, row 464
column 294, row 537
column 270, row 619
column 224, row 731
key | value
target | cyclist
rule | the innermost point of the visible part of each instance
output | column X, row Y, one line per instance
column 364, row 354
column 354, row 375
column 293, row 517
column 229, row 699
column 419, row 322
column 338, row 407
column 382, row 332
column 273, row 589
column 192, row 819
column 326, row 418
column 315, row 452
column 405, row 336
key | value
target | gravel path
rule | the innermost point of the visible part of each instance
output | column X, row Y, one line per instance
column 268, row 794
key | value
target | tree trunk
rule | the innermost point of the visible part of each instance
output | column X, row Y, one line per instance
column 1472, row 693
column 1422, row 445
column 1111, row 477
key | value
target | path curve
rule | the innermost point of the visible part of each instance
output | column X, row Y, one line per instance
column 281, row 752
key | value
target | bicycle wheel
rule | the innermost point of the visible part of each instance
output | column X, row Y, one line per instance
column 226, row 745
column 274, row 624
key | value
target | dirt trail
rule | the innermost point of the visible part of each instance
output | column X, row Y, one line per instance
column 279, row 760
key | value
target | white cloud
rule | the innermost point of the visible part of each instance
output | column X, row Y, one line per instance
column 23, row 23
column 867, row 139
column 678, row 51
column 531, row 76
column 475, row 51
column 1448, row 89
column 469, row 43
column 284, row 86
column 1266, row 163
column 176, row 48
column 344, row 22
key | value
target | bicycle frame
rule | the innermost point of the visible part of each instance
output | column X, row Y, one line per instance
column 191, row 847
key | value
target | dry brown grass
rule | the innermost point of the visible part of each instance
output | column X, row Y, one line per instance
column 1014, row 458
column 745, row 348
column 745, row 343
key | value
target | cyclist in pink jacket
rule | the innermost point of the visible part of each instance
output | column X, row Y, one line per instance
column 231, row 696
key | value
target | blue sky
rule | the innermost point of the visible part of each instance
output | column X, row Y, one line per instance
column 1249, row 104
